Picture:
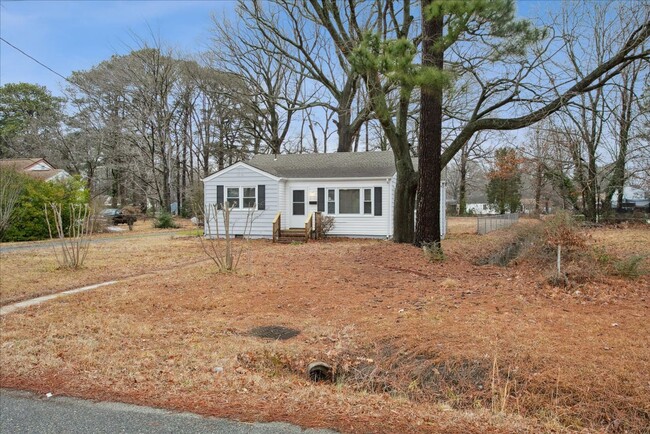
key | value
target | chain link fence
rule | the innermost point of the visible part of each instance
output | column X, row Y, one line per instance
column 493, row 222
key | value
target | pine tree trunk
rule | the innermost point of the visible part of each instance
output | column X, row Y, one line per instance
column 403, row 215
column 430, row 139
column 344, row 131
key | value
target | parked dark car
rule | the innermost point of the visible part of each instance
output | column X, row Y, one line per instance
column 116, row 216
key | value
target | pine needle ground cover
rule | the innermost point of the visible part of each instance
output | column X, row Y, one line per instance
column 415, row 346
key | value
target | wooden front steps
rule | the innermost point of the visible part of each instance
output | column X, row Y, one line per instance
column 292, row 235
column 298, row 235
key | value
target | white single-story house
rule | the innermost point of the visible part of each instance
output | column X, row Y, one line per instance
column 357, row 189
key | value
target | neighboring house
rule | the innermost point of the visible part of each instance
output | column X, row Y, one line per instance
column 357, row 189
column 477, row 203
column 37, row 168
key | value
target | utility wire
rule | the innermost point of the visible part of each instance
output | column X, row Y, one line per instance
column 46, row 67
column 35, row 60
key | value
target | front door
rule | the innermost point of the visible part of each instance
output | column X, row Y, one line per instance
column 298, row 209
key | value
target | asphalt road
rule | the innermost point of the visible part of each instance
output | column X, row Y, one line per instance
column 24, row 412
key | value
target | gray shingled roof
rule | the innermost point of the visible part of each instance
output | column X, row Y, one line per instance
column 334, row 165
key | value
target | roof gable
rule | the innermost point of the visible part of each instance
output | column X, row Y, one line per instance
column 38, row 168
column 24, row 164
column 236, row 165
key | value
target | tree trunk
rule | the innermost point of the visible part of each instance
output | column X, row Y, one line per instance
column 539, row 183
column 462, row 187
column 115, row 192
column 403, row 215
column 430, row 139
column 592, row 186
column 624, row 123
column 345, row 133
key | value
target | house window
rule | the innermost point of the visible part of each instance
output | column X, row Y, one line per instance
column 241, row 197
column 349, row 201
column 367, row 201
column 249, row 197
column 331, row 201
column 299, row 202
column 232, row 197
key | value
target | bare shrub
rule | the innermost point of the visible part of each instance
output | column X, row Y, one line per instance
column 630, row 267
column 11, row 186
column 75, row 244
column 326, row 225
column 562, row 231
column 219, row 246
column 433, row 252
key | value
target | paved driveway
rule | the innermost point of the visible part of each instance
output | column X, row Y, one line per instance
column 23, row 412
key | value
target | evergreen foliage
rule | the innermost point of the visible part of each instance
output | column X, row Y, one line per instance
column 28, row 221
column 165, row 221
column 503, row 189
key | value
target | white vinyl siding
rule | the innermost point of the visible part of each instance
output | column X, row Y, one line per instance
column 278, row 197
column 245, row 180
column 351, row 225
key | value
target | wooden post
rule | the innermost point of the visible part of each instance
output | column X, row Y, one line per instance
column 308, row 225
column 277, row 226
column 318, row 225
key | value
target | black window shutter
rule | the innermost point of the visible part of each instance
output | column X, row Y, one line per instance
column 377, row 200
column 261, row 197
column 321, row 200
column 219, row 196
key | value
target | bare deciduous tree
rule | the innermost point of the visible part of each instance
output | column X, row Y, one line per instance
column 11, row 186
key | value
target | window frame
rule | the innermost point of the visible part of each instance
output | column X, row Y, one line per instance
column 359, row 201
column 240, row 197
column 332, row 201
column 335, row 203
column 230, row 198
column 367, row 200
column 244, row 197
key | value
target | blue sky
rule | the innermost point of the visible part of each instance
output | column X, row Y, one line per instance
column 76, row 35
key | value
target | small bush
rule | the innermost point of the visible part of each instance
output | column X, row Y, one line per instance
column 433, row 252
column 629, row 267
column 602, row 256
column 563, row 229
column 165, row 221
column 327, row 224
column 28, row 221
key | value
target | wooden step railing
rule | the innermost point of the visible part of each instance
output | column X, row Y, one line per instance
column 277, row 227
column 312, row 227
column 309, row 223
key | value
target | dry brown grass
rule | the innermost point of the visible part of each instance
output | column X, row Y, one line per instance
column 461, row 225
column 417, row 346
column 32, row 273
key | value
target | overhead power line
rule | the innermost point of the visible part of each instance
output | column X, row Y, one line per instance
column 34, row 59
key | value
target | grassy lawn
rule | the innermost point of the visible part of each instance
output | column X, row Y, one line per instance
column 28, row 274
column 415, row 346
